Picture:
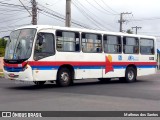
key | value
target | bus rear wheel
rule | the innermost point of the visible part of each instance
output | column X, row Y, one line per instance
column 130, row 75
column 64, row 77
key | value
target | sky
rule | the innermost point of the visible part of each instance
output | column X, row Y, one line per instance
column 95, row 14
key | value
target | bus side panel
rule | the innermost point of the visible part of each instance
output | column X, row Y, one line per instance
column 147, row 69
column 86, row 65
column 94, row 67
column 117, row 71
column 44, row 69
column 142, row 71
column 44, row 75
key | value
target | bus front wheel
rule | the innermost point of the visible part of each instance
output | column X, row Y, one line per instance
column 64, row 77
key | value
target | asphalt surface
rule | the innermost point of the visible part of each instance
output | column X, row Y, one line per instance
column 84, row 95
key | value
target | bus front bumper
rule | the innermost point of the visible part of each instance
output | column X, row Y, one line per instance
column 25, row 75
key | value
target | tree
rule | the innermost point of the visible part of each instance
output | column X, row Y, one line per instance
column 3, row 43
column 129, row 31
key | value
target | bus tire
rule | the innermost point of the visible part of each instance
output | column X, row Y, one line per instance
column 104, row 80
column 39, row 83
column 64, row 77
column 130, row 75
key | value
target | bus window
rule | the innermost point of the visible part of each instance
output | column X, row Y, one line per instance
column 146, row 46
column 112, row 44
column 44, row 46
column 67, row 41
column 130, row 45
column 91, row 43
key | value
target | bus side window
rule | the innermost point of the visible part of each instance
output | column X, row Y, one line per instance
column 130, row 45
column 67, row 41
column 112, row 44
column 146, row 46
column 91, row 43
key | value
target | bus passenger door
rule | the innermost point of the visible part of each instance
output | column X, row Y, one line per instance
column 44, row 67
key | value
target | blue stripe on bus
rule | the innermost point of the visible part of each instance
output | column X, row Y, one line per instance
column 11, row 69
column 44, row 67
column 148, row 66
column 87, row 67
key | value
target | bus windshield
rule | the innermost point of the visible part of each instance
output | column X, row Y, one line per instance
column 19, row 47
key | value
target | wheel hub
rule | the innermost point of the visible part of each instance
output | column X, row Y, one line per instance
column 64, row 76
column 130, row 75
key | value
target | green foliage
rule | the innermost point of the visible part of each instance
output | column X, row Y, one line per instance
column 2, row 47
column 129, row 31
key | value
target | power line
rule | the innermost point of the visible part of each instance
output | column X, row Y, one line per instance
column 51, row 16
column 11, row 16
column 17, row 21
column 96, row 17
column 13, row 26
column 4, row 13
column 5, row 0
column 145, row 19
column 53, row 3
column 102, row 7
column 6, row 30
column 25, row 7
column 133, row 24
column 86, row 15
column 60, row 19
column 100, row 10
column 109, row 7
column 4, row 9
column 60, row 16
column 11, row 5
column 14, row 19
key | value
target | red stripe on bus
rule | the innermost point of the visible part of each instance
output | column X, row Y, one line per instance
column 15, row 65
column 77, row 63
column 44, row 63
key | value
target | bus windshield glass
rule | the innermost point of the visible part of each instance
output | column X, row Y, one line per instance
column 19, row 47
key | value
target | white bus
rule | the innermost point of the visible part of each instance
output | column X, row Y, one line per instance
column 61, row 54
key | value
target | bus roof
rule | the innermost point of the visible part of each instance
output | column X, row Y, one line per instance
column 40, row 27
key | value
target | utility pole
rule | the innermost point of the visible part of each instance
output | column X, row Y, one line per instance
column 68, row 13
column 34, row 12
column 137, row 28
column 121, row 21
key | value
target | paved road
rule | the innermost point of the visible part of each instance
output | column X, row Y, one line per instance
column 84, row 95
